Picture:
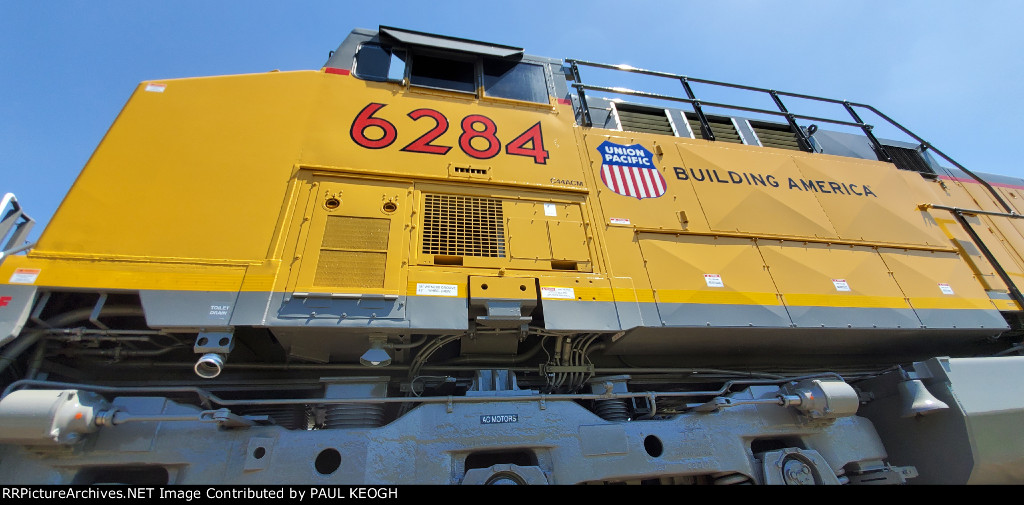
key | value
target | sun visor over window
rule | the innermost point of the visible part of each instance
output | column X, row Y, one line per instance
column 411, row 38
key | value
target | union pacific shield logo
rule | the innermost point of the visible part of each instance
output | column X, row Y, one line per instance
column 630, row 171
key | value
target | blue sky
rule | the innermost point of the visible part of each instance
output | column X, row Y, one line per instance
column 949, row 70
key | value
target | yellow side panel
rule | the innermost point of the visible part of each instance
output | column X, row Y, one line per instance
column 1012, row 196
column 953, row 193
column 746, row 189
column 980, row 196
column 831, row 275
column 927, row 279
column 977, row 262
column 626, row 263
column 1013, row 231
column 528, row 238
column 546, row 230
column 357, row 236
column 1001, row 237
column 197, row 171
column 700, row 269
column 568, row 237
column 885, row 212
column 661, row 212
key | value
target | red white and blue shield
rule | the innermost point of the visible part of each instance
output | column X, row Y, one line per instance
column 629, row 170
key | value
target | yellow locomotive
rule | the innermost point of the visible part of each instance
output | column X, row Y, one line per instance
column 444, row 261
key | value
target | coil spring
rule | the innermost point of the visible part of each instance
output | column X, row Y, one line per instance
column 354, row 415
column 612, row 410
column 731, row 479
column 292, row 417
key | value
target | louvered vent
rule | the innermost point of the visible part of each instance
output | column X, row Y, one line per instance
column 353, row 252
column 463, row 226
column 909, row 159
column 775, row 135
column 721, row 126
column 644, row 119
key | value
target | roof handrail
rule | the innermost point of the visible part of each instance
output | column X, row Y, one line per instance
column 776, row 95
column 15, row 223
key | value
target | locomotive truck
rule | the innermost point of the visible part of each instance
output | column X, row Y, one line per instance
column 443, row 261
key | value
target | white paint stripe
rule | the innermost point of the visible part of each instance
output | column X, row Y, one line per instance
column 649, row 184
column 654, row 182
column 618, row 180
column 660, row 182
column 630, row 174
column 644, row 191
column 606, row 176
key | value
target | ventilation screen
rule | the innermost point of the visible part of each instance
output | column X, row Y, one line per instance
column 909, row 159
column 775, row 135
column 644, row 120
column 721, row 126
column 463, row 226
column 353, row 252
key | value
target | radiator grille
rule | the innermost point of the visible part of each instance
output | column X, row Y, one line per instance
column 344, row 232
column 721, row 126
column 463, row 226
column 353, row 252
column 909, row 159
column 775, row 135
column 644, row 120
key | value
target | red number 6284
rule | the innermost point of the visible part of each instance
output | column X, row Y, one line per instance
column 530, row 143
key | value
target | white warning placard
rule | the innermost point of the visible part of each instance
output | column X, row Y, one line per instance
column 714, row 281
column 945, row 288
column 840, row 284
column 156, row 87
column 550, row 209
column 557, row 293
column 618, row 220
column 24, row 276
column 424, row 289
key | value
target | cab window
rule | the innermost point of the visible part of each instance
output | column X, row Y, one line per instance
column 515, row 80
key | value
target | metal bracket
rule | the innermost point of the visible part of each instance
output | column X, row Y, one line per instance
column 15, row 223
column 37, row 313
column 890, row 475
column 226, row 419
column 220, row 342
column 546, row 369
column 714, row 405
column 94, row 318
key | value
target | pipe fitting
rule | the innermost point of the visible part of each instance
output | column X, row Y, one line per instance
column 210, row 365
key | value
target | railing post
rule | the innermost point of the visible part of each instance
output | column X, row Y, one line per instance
column 805, row 143
column 584, row 109
column 705, row 127
column 879, row 150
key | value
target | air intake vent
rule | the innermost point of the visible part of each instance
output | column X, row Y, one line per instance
column 775, row 135
column 353, row 252
column 721, row 126
column 463, row 226
column 909, row 159
column 644, row 120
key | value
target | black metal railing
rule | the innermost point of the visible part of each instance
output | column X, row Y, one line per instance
column 803, row 138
